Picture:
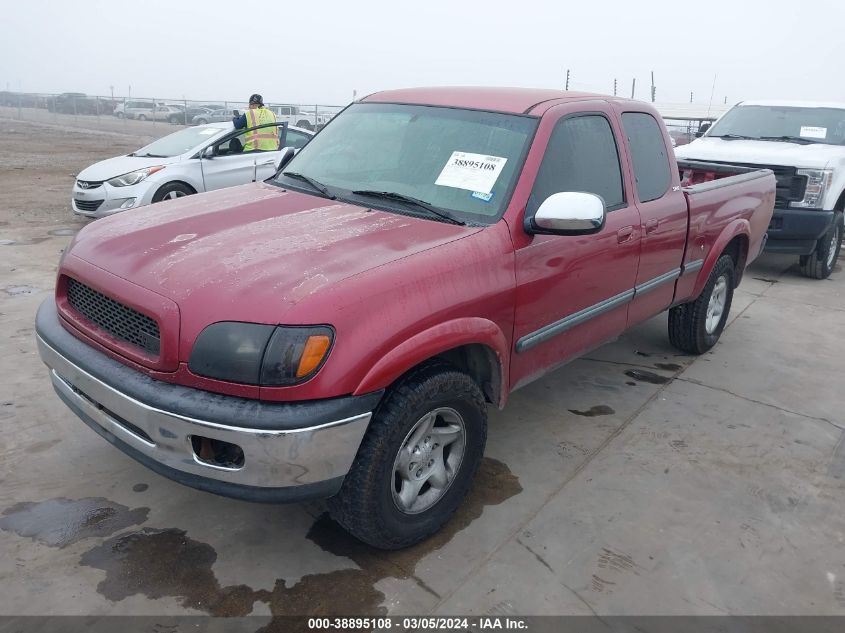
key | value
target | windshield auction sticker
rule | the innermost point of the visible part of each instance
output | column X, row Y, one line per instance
column 811, row 131
column 473, row 172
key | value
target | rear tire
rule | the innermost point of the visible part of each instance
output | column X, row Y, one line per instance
column 171, row 191
column 202, row 121
column 695, row 327
column 820, row 264
column 417, row 460
column 142, row 117
column 305, row 125
column 119, row 115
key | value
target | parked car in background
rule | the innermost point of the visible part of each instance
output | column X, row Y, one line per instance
column 167, row 113
column 189, row 161
column 186, row 115
column 79, row 103
column 140, row 109
column 339, row 330
column 803, row 143
column 214, row 116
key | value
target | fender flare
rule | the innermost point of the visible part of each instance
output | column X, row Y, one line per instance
column 437, row 340
column 740, row 226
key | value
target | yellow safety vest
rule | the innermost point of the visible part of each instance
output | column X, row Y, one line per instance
column 265, row 139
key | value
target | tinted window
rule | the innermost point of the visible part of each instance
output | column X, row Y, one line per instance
column 648, row 151
column 296, row 139
column 581, row 156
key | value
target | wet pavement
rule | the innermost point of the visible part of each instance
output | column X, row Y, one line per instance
column 635, row 481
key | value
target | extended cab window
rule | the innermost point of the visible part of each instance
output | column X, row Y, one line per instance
column 648, row 151
column 581, row 156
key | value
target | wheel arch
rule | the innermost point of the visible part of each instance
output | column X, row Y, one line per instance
column 734, row 240
column 176, row 181
column 474, row 345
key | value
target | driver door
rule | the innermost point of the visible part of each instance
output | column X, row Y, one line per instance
column 230, row 165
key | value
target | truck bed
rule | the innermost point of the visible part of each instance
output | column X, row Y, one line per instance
column 719, row 196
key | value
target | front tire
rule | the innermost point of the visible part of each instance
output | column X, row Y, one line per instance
column 417, row 460
column 305, row 125
column 820, row 264
column 695, row 327
column 142, row 117
column 202, row 121
column 171, row 191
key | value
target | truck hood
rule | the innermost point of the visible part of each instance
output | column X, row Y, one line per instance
column 119, row 165
column 251, row 252
column 814, row 156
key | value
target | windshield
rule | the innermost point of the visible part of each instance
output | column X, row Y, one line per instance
column 463, row 161
column 815, row 125
column 178, row 142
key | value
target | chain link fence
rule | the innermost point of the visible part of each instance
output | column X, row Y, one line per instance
column 151, row 116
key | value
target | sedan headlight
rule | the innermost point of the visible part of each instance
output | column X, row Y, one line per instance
column 133, row 177
column 265, row 355
column 818, row 180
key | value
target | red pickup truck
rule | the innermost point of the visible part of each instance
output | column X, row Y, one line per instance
column 339, row 330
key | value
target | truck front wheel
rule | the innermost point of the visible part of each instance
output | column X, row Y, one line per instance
column 820, row 264
column 696, row 326
column 417, row 460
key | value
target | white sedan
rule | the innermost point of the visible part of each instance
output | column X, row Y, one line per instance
column 192, row 160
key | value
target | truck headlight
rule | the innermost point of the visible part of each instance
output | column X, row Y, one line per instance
column 818, row 180
column 265, row 355
column 133, row 177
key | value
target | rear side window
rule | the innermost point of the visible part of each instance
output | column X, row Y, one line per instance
column 581, row 156
column 648, row 151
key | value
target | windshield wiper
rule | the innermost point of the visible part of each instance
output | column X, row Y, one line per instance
column 148, row 155
column 733, row 137
column 400, row 197
column 315, row 184
column 789, row 139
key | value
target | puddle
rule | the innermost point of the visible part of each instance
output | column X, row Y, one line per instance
column 63, row 232
column 161, row 563
column 22, row 291
column 61, row 522
column 630, row 383
column 28, row 242
column 669, row 366
column 599, row 409
column 646, row 354
column 767, row 280
column 139, row 487
column 642, row 375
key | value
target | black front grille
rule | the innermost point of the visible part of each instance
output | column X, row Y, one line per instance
column 790, row 186
column 88, row 205
column 115, row 318
column 89, row 184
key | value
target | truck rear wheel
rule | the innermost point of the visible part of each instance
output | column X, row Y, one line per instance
column 695, row 327
column 417, row 460
column 820, row 264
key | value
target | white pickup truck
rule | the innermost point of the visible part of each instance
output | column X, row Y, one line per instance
column 296, row 116
column 803, row 143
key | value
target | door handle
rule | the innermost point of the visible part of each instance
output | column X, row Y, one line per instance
column 651, row 226
column 624, row 234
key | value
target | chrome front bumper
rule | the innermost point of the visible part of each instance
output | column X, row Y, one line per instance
column 278, row 465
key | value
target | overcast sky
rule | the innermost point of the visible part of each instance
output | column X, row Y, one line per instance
column 320, row 51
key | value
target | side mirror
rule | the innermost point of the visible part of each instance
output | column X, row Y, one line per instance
column 701, row 130
column 287, row 154
column 568, row 213
column 208, row 152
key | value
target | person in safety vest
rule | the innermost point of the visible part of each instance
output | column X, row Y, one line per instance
column 263, row 139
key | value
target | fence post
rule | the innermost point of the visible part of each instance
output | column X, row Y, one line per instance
column 155, row 110
column 185, row 101
column 20, row 106
column 98, row 108
column 74, row 109
column 316, row 107
column 124, row 113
